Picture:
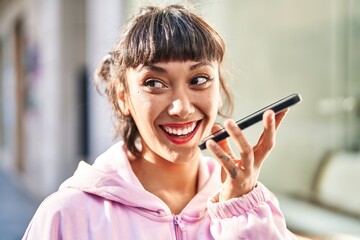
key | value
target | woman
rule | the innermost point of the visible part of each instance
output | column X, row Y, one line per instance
column 163, row 79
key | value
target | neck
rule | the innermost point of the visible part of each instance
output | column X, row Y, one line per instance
column 175, row 184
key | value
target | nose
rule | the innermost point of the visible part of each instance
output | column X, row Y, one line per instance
column 181, row 106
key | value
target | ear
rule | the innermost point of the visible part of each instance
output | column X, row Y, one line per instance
column 123, row 103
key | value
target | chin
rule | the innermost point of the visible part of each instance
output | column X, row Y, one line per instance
column 183, row 158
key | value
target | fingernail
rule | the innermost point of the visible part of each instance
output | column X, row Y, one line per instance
column 232, row 123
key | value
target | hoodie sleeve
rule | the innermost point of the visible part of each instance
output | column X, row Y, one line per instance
column 255, row 215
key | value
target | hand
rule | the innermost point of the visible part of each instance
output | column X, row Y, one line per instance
column 240, row 175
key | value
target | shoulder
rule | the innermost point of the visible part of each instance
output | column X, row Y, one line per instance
column 65, row 202
column 58, row 214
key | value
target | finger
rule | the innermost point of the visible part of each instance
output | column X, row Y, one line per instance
column 267, row 139
column 245, row 148
column 279, row 117
column 224, row 144
column 216, row 128
column 269, row 120
column 224, row 159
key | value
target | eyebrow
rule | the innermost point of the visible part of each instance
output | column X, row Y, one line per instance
column 163, row 70
column 200, row 64
column 153, row 68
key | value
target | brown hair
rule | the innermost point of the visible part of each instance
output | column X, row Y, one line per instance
column 156, row 34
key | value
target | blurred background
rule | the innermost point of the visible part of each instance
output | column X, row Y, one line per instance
column 51, row 117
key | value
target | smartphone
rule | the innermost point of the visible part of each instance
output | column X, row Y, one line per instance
column 251, row 119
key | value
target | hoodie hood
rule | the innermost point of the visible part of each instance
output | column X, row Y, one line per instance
column 111, row 178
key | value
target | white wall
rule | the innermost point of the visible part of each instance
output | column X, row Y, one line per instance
column 62, row 40
column 104, row 21
column 65, row 36
column 44, row 169
column 279, row 47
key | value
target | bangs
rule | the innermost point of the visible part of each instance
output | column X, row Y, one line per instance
column 171, row 35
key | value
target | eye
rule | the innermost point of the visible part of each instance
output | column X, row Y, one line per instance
column 200, row 81
column 154, row 84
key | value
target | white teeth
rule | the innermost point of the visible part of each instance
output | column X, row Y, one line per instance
column 180, row 131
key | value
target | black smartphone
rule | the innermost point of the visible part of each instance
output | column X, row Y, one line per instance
column 277, row 107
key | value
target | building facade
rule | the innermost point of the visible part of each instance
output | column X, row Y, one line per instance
column 51, row 117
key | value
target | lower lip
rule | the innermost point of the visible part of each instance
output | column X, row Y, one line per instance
column 181, row 139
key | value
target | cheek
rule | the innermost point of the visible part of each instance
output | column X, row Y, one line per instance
column 211, row 102
column 146, row 102
column 144, row 108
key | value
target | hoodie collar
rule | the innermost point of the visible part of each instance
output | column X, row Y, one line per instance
column 111, row 177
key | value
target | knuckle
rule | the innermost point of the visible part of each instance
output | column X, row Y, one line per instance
column 224, row 157
column 216, row 149
column 238, row 134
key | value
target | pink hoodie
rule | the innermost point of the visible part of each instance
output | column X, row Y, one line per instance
column 107, row 201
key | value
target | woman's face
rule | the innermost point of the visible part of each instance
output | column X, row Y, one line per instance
column 174, row 106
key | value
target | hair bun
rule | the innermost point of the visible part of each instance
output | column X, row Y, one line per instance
column 102, row 73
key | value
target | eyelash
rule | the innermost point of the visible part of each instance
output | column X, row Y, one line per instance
column 207, row 80
column 150, row 83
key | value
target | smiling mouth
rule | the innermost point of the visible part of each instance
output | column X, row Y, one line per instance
column 179, row 130
column 180, row 133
